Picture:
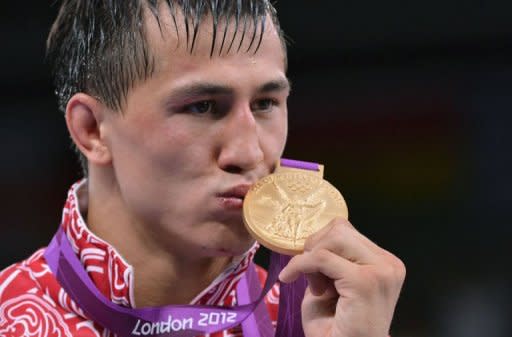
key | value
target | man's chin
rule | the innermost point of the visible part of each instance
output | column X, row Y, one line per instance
column 237, row 248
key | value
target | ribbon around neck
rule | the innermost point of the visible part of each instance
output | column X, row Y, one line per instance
column 179, row 320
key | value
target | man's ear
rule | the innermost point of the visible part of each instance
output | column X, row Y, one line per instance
column 84, row 118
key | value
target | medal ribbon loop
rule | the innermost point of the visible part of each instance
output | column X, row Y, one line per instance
column 171, row 320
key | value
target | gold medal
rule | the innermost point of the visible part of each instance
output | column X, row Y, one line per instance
column 282, row 209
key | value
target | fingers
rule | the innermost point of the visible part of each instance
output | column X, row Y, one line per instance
column 341, row 238
column 338, row 252
column 319, row 261
column 318, row 283
column 334, row 252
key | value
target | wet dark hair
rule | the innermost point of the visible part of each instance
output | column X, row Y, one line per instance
column 99, row 47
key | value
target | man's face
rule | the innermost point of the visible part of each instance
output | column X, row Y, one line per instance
column 193, row 137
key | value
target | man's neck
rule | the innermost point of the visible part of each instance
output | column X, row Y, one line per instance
column 162, row 275
column 162, row 282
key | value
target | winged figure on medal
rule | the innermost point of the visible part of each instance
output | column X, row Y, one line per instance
column 294, row 214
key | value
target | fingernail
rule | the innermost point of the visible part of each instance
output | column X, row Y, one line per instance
column 281, row 277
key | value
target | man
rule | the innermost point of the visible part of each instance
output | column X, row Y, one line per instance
column 177, row 108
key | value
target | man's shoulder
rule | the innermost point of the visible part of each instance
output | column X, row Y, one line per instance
column 23, row 277
column 30, row 302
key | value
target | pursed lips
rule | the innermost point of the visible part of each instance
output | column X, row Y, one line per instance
column 233, row 198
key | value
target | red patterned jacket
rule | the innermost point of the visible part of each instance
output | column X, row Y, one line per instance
column 32, row 303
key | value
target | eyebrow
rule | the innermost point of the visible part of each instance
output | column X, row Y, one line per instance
column 201, row 89
column 276, row 85
column 211, row 89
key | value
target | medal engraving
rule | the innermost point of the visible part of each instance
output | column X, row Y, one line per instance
column 283, row 209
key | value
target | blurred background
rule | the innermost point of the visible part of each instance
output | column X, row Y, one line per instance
column 406, row 103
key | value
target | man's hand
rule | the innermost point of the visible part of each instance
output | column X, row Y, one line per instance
column 353, row 283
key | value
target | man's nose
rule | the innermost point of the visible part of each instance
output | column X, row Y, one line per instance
column 241, row 148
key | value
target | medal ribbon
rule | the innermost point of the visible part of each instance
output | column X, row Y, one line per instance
column 289, row 321
column 185, row 320
column 171, row 320
column 303, row 165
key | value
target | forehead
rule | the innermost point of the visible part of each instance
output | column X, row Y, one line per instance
column 171, row 34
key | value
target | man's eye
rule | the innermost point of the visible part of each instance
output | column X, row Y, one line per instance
column 263, row 105
column 200, row 107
